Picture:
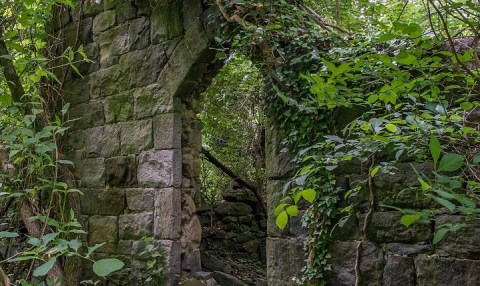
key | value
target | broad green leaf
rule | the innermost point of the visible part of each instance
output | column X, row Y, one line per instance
column 282, row 220
column 466, row 105
column 309, row 195
column 435, row 149
column 43, row 269
column 391, row 127
column 279, row 208
column 292, row 210
column 409, row 219
column 7, row 234
column 104, row 267
column 439, row 235
column 449, row 205
column 451, row 162
column 405, row 58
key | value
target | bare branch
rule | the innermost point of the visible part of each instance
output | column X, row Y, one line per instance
column 232, row 175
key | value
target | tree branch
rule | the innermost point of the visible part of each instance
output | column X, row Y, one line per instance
column 232, row 175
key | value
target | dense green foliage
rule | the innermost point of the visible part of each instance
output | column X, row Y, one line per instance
column 233, row 126
column 39, row 227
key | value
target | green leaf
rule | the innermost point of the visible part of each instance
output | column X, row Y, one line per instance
column 405, row 58
column 104, row 267
column 292, row 210
column 391, row 127
column 279, row 208
column 7, row 234
column 439, row 235
column 435, row 149
column 386, row 37
column 309, row 195
column 425, row 185
column 466, row 105
column 451, row 162
column 43, row 269
column 476, row 159
column 282, row 220
column 374, row 171
column 449, row 205
column 409, row 219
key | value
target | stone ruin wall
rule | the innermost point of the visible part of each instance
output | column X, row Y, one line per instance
column 136, row 143
column 135, row 138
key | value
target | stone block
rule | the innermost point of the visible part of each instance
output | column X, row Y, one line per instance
column 463, row 243
column 75, row 140
column 233, row 209
column 386, row 227
column 119, row 108
column 139, row 200
column 121, row 171
column 173, row 259
column 166, row 22
column 176, row 70
column 108, row 81
column 432, row 270
column 279, row 251
column 102, row 141
column 125, row 11
column 151, row 59
column 212, row 263
column 151, row 100
column 111, row 202
column 168, row 211
column 103, row 21
column 191, row 261
column 89, row 202
column 160, row 168
column 113, row 42
column 92, row 173
column 394, row 189
column 277, row 156
column 343, row 256
column 399, row 271
column 135, row 226
column 409, row 249
column 191, row 234
column 227, row 279
column 167, row 131
column 136, row 136
column 138, row 31
column 103, row 229
column 372, row 264
column 87, row 115
column 77, row 91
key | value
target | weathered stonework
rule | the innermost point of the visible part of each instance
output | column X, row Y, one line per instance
column 126, row 140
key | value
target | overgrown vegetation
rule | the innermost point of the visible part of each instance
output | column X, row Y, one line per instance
column 39, row 230
column 406, row 72
column 233, row 126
